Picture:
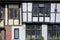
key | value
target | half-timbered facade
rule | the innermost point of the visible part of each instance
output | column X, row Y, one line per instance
column 26, row 19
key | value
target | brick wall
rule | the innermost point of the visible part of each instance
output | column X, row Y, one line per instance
column 2, row 32
column 8, row 32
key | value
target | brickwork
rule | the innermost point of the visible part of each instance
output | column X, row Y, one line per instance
column 8, row 32
column 2, row 32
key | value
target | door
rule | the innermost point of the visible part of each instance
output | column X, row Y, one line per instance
column 18, row 32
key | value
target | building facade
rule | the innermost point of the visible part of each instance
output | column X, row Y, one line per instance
column 26, row 19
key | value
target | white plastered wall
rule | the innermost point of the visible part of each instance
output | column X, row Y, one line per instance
column 21, row 32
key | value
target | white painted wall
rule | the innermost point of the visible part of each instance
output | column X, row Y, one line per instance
column 21, row 32
column 44, row 31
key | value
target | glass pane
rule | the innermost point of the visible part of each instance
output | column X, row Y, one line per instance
column 24, row 17
column 41, row 10
column 50, row 34
column 1, row 12
column 46, row 11
column 30, row 27
column 38, row 27
column 35, row 19
column 16, row 33
column 52, row 17
column 29, row 17
column 10, row 12
column 35, row 11
column 29, row 6
column 57, row 17
column 15, row 13
column 40, row 19
column 52, row 7
column 50, row 27
column 58, row 7
column 24, row 6
column 47, row 19
column 41, row 5
column 58, row 27
column 38, row 33
column 59, row 34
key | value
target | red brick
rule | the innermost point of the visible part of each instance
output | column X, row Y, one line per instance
column 8, row 32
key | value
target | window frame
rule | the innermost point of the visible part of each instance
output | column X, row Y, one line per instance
column 43, row 10
column 35, row 29
column 18, row 33
column 18, row 12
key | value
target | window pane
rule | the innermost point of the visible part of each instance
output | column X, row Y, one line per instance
column 40, row 19
column 38, row 27
column 35, row 19
column 41, row 10
column 57, row 17
column 16, row 33
column 38, row 33
column 24, row 17
column 47, row 19
column 59, row 34
column 30, row 27
column 29, row 17
column 1, row 12
column 41, row 5
column 35, row 11
column 24, row 6
column 15, row 13
column 52, row 17
column 10, row 12
column 29, row 6
column 52, row 7
column 58, row 7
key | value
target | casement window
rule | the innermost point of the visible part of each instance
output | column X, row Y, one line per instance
column 2, row 11
column 41, row 9
column 16, row 33
column 33, row 31
column 53, row 31
column 13, row 11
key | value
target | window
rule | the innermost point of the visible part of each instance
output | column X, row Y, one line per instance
column 41, row 9
column 33, row 31
column 13, row 11
column 16, row 33
column 53, row 31
column 1, row 11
